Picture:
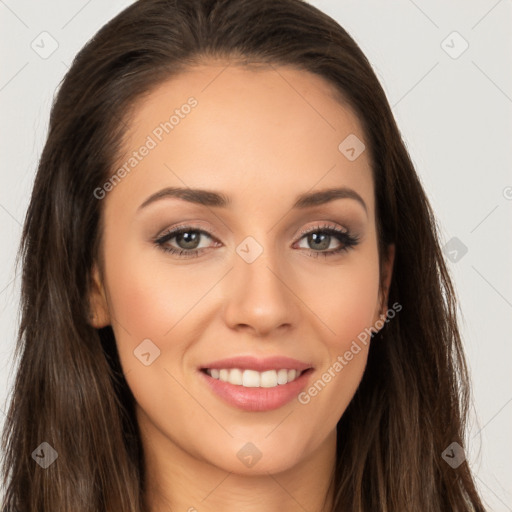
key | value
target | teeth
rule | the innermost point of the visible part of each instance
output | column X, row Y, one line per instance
column 235, row 377
column 252, row 378
column 268, row 379
column 282, row 377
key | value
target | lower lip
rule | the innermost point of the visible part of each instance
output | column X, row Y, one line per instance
column 257, row 399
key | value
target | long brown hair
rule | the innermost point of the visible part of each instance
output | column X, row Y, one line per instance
column 69, row 390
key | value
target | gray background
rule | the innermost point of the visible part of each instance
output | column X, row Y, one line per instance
column 453, row 107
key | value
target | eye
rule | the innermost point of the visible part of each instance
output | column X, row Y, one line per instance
column 320, row 237
column 188, row 238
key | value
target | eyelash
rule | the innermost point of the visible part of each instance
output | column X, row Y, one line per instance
column 347, row 240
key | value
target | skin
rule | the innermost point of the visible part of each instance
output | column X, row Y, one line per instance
column 262, row 137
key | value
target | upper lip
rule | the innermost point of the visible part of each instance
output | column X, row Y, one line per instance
column 259, row 364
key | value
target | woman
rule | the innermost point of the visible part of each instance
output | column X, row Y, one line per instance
column 233, row 291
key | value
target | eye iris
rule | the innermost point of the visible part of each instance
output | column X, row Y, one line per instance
column 322, row 238
column 190, row 237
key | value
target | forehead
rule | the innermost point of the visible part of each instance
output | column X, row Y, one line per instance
column 243, row 129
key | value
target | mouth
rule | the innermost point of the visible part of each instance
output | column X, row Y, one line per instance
column 254, row 379
column 256, row 385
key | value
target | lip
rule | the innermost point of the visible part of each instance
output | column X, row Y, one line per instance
column 257, row 399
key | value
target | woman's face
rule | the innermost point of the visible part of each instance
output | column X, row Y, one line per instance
column 273, row 280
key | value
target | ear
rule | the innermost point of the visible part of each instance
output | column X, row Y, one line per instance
column 99, row 312
column 386, row 274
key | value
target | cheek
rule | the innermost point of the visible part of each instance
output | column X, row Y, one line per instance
column 147, row 307
column 346, row 302
column 143, row 303
column 345, row 299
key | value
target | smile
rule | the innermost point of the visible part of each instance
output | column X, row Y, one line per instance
column 256, row 385
column 253, row 378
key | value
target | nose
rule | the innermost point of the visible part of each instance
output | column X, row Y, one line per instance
column 260, row 297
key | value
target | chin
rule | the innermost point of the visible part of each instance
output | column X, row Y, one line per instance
column 258, row 457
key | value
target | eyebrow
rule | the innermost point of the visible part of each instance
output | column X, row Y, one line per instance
column 219, row 200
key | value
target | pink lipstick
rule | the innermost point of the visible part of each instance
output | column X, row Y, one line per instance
column 256, row 384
